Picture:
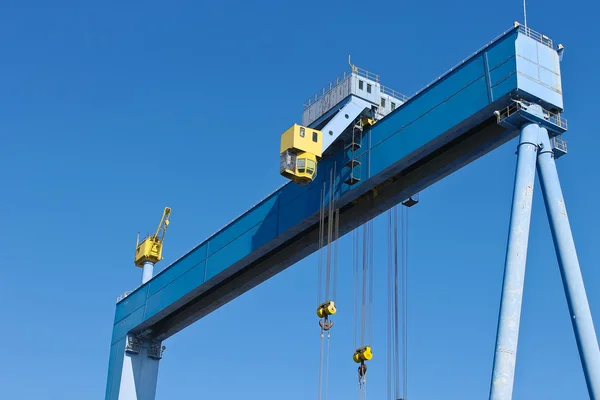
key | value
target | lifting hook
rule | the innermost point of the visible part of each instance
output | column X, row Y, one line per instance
column 324, row 311
column 326, row 324
column 362, row 372
column 360, row 356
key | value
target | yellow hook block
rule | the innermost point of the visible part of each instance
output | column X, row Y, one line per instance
column 327, row 308
column 362, row 354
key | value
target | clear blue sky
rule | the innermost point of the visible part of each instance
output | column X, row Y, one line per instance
column 110, row 112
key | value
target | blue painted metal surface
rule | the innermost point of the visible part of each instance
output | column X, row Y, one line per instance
column 507, row 338
column 115, row 365
column 440, row 129
column 579, row 308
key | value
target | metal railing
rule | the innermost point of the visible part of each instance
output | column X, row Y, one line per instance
column 557, row 119
column 346, row 75
column 393, row 93
column 121, row 297
column 508, row 111
column 558, row 143
column 365, row 74
column 543, row 39
column 332, row 85
column 554, row 118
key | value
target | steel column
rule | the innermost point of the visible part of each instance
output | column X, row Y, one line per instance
column 139, row 373
column 147, row 271
column 514, row 267
column 564, row 245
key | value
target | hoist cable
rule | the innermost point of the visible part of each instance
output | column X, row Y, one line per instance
column 396, row 341
column 331, row 221
column 319, row 287
column 335, row 252
column 364, row 286
column 332, row 216
column 355, row 284
column 327, row 370
column 390, row 389
column 405, row 311
column 321, row 369
column 320, row 253
column 371, row 272
column 329, row 234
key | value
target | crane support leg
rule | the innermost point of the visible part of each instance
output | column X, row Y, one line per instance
column 147, row 271
column 514, row 267
column 139, row 371
column 564, row 245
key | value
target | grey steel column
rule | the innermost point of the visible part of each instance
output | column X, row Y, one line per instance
column 579, row 308
column 514, row 268
column 147, row 271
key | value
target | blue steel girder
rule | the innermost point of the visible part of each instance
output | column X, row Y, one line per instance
column 440, row 129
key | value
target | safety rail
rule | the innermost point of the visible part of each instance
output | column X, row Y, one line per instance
column 121, row 297
column 327, row 89
column 346, row 75
column 543, row 39
column 559, row 143
column 365, row 74
column 518, row 105
column 393, row 93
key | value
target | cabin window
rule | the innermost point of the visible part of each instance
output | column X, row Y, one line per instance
column 368, row 88
column 301, row 132
column 382, row 102
column 393, row 106
column 310, row 166
column 315, row 137
column 301, row 165
column 360, row 84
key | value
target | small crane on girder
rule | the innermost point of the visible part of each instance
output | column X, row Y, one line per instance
column 150, row 249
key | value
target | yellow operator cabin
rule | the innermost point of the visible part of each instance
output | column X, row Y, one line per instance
column 301, row 150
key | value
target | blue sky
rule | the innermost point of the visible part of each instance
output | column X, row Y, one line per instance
column 111, row 111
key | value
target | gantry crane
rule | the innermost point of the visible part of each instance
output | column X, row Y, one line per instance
column 416, row 142
column 149, row 251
